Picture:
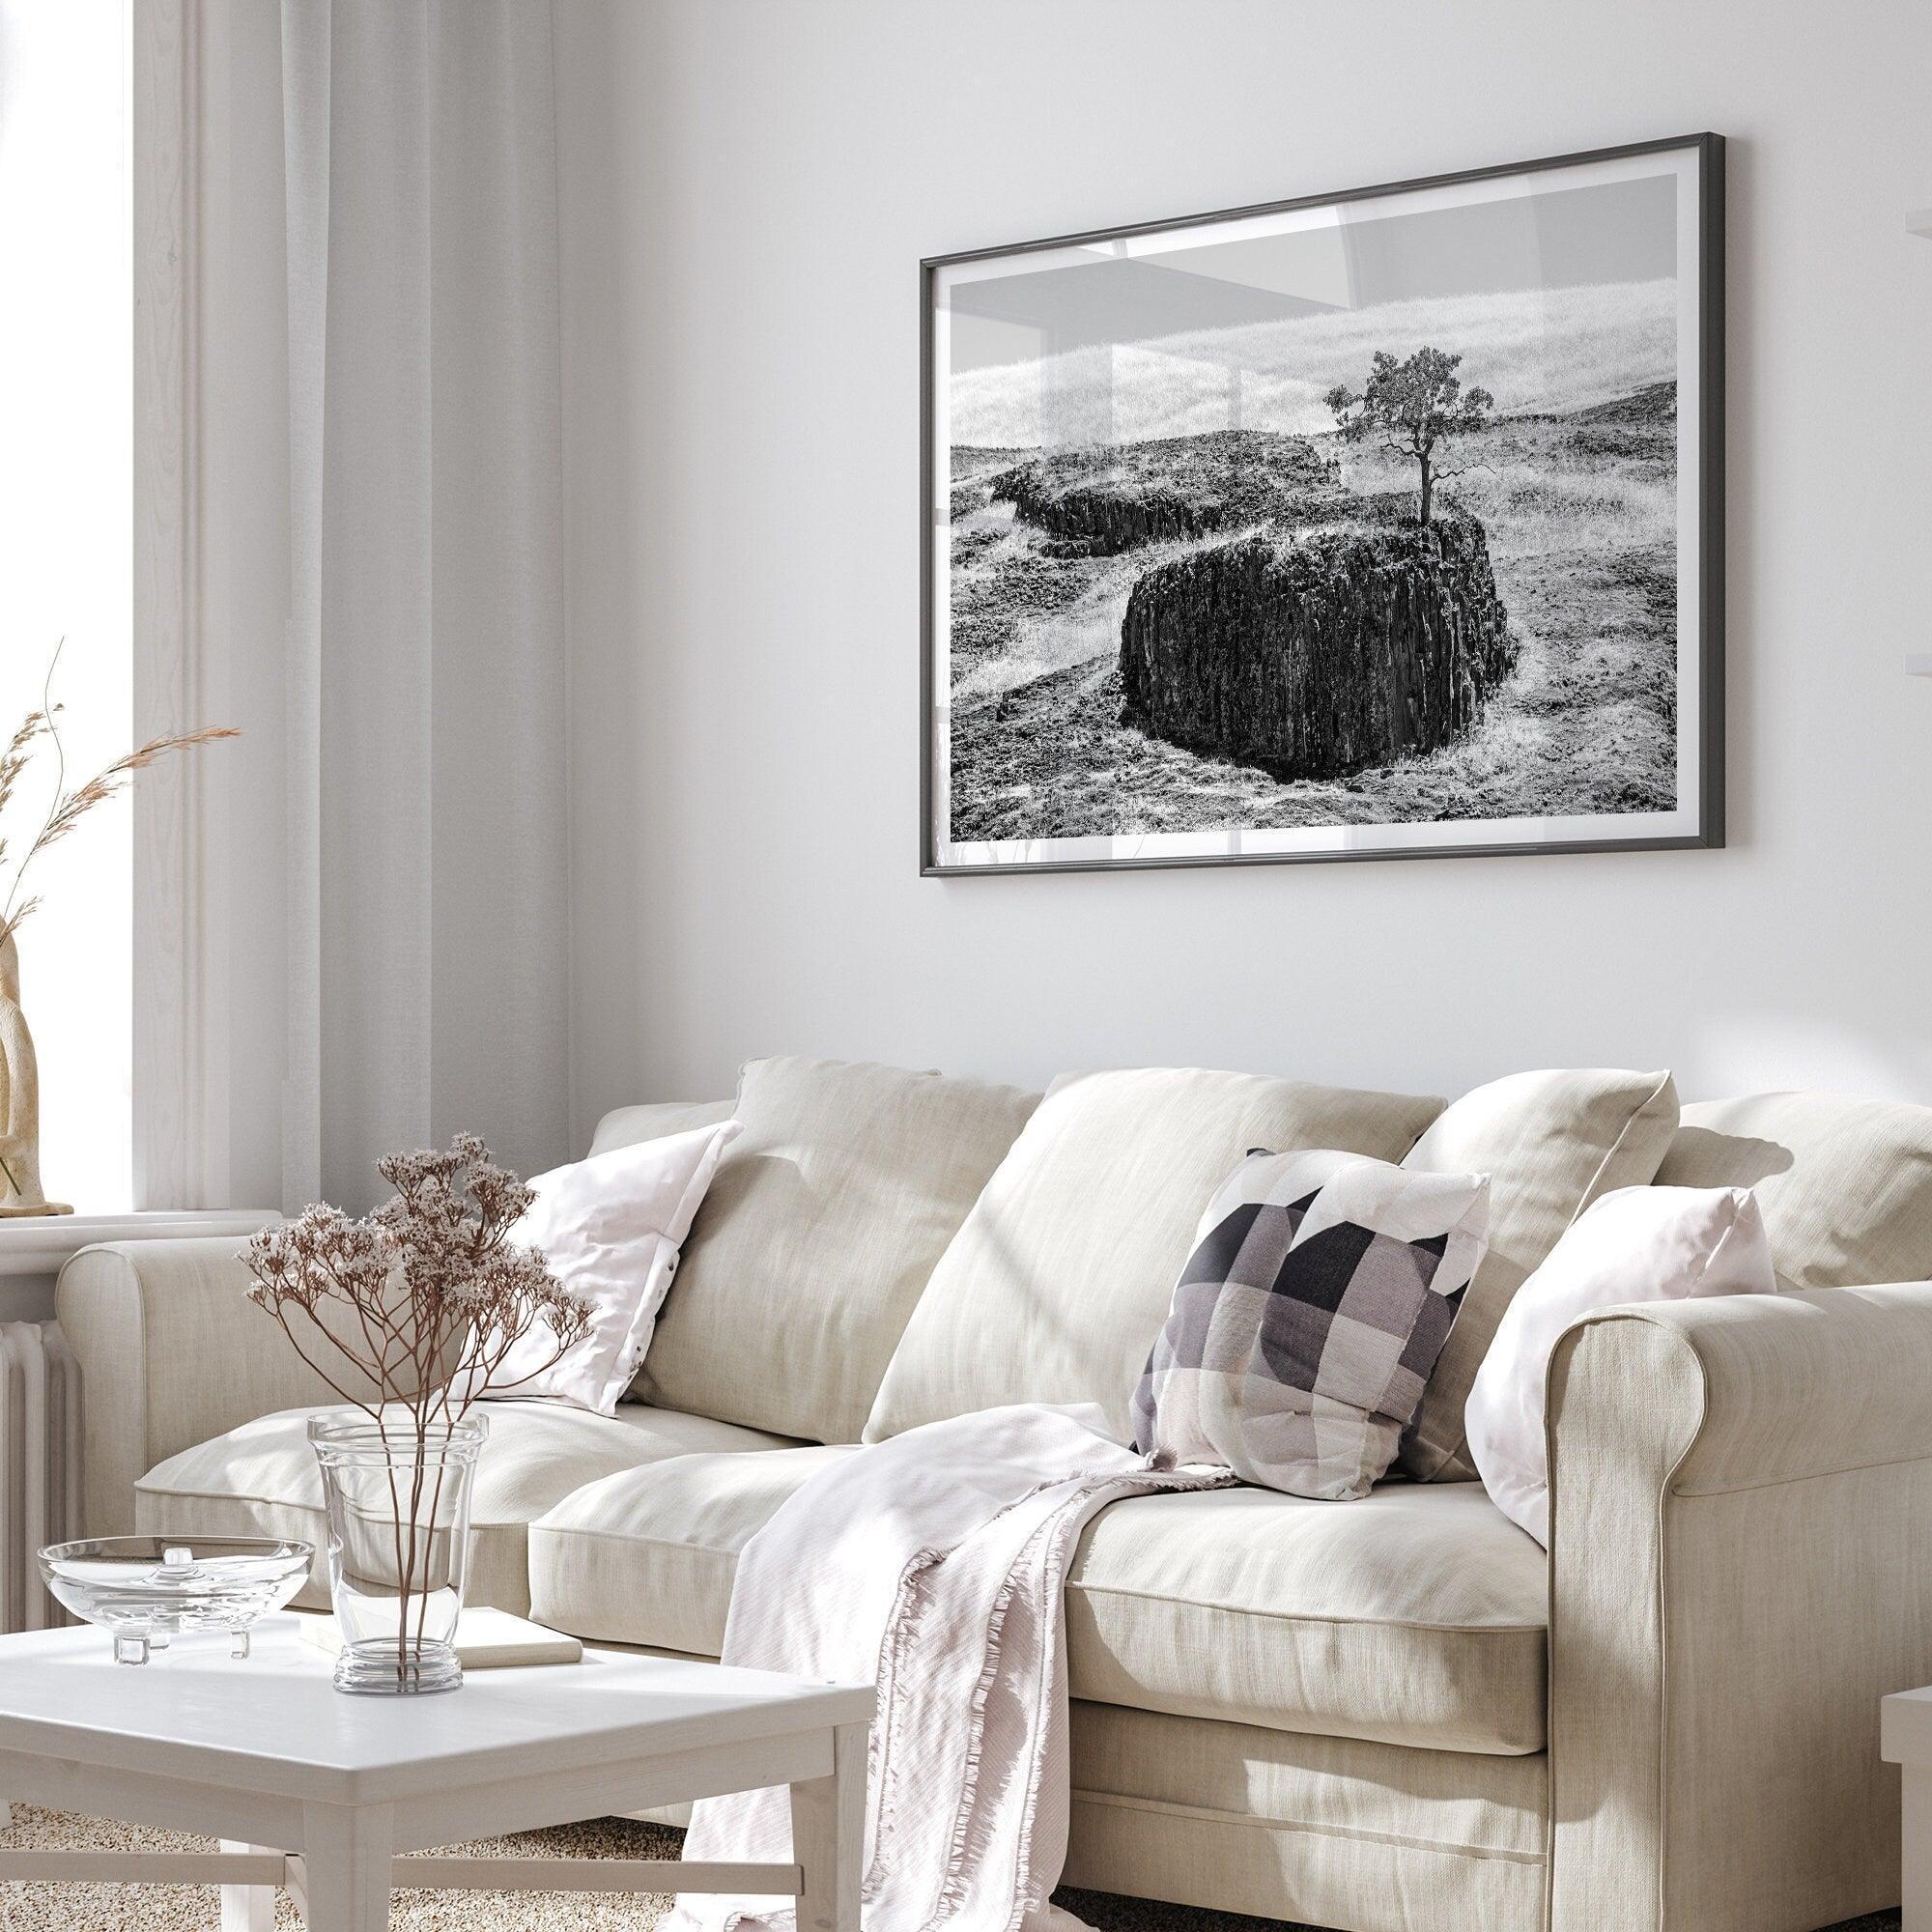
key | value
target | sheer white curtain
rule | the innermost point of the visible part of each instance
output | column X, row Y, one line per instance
column 427, row 918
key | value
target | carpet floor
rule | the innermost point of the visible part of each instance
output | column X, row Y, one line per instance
column 187, row 1908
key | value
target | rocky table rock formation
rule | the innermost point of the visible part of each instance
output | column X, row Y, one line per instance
column 1314, row 656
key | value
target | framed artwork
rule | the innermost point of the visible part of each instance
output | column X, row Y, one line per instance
column 1376, row 524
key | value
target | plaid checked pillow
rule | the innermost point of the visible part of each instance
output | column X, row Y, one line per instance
column 1303, row 1329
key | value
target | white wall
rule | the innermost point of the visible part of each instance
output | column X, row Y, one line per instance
column 747, row 186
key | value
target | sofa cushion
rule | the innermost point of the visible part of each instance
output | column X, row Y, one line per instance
column 262, row 1480
column 610, row 1227
column 1638, row 1244
column 1414, row 1616
column 621, row 1561
column 626, row 1126
column 816, row 1238
column 1551, row 1142
column 1844, row 1183
column 1060, row 1280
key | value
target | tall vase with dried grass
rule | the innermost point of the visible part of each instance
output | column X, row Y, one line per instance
column 20, row 1191
column 406, row 1314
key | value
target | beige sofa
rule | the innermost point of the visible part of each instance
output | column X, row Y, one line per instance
column 1397, row 1712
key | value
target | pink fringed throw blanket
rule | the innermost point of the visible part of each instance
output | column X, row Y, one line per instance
column 933, row 1562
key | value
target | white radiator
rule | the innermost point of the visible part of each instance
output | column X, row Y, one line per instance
column 39, row 1465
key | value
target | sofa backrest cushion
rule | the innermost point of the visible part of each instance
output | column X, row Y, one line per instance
column 816, row 1237
column 1550, row 1142
column 1060, row 1280
column 1844, row 1183
column 628, row 1126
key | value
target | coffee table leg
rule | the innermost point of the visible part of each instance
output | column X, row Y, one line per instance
column 247, row 1908
column 828, row 1831
column 346, row 1867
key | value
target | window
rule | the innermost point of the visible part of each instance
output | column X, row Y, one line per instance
column 65, row 540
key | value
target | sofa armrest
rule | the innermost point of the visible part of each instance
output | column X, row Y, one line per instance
column 1741, row 1567
column 170, row 1352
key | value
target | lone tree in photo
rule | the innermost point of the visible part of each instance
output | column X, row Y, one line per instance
column 1412, row 406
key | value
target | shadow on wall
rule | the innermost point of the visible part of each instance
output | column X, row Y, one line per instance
column 1787, row 1051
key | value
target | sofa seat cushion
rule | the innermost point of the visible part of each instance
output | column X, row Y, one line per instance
column 262, row 1480
column 651, row 1562
column 1415, row 1616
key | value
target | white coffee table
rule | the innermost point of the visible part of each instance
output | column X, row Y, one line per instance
column 320, row 1792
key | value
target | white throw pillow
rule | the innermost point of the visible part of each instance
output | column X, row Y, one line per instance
column 1551, row 1142
column 611, row 1227
column 1638, row 1244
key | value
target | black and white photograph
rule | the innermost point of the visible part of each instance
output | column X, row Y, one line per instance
column 1378, row 524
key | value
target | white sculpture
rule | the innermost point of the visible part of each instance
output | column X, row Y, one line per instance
column 19, row 1100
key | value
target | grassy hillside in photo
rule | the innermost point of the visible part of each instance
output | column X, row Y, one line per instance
column 1579, row 506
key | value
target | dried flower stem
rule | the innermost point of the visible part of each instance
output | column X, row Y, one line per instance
column 432, row 1296
column 67, row 809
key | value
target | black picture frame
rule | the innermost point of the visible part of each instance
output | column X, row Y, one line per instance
column 1706, row 831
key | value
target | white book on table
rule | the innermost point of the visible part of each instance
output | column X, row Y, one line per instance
column 485, row 1639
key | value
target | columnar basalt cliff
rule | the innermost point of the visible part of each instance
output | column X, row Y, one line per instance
column 1107, row 515
column 1099, row 503
column 1315, row 656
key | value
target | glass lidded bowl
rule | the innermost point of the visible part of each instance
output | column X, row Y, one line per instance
column 146, row 1590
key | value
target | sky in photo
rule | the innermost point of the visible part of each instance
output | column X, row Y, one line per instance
column 1561, row 239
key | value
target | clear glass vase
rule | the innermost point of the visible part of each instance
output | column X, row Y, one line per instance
column 397, row 1494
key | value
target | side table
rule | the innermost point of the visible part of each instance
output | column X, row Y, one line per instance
column 1905, row 1739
